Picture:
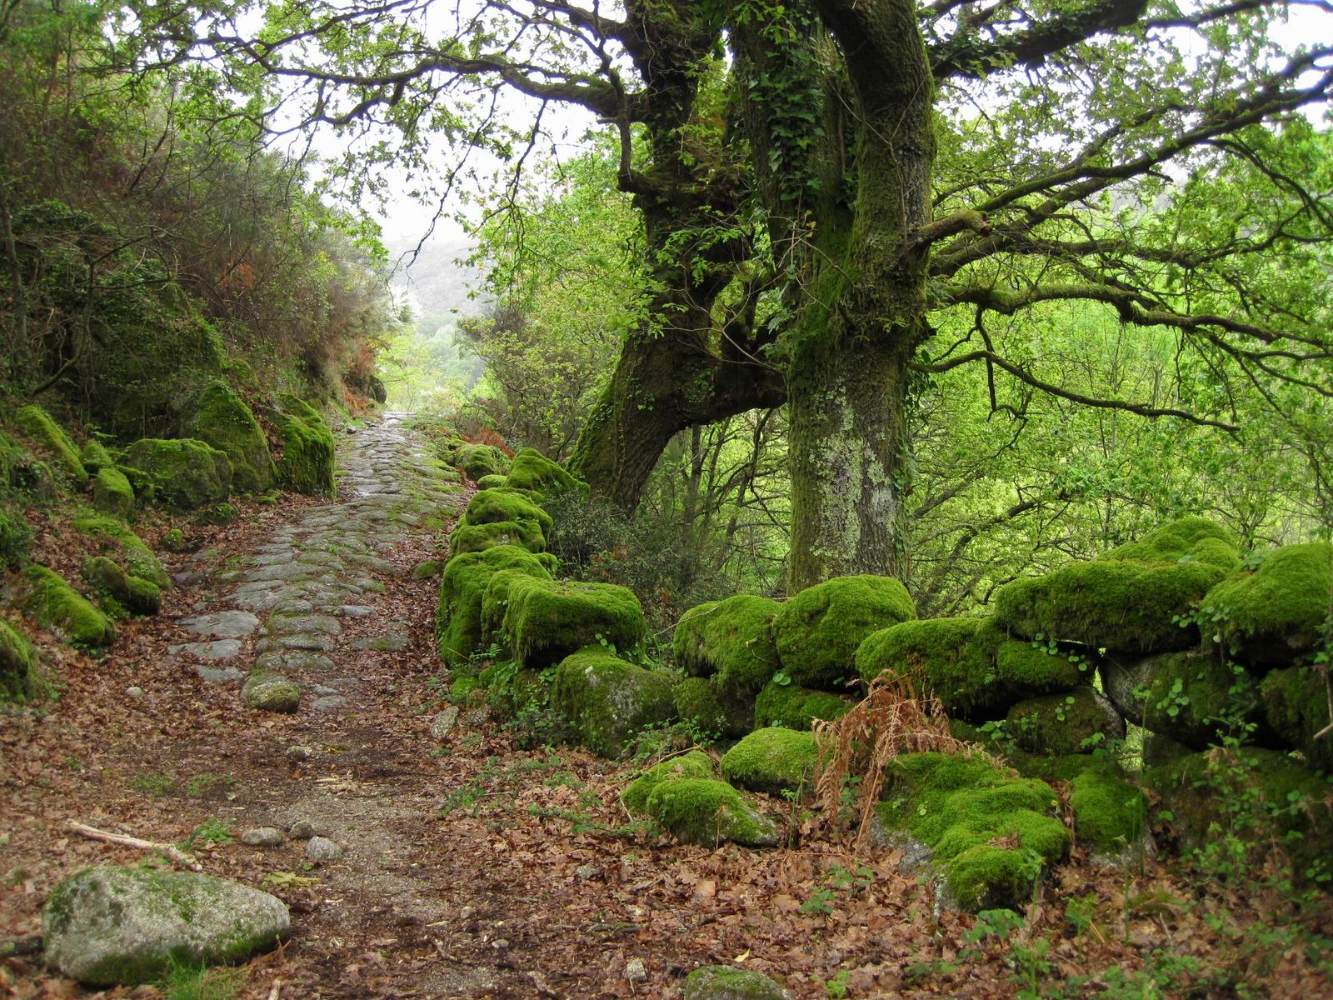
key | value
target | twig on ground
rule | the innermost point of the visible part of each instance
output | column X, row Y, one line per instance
column 125, row 840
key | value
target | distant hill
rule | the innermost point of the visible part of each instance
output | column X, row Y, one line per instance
column 437, row 280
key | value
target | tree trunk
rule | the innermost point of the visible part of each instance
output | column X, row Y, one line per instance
column 849, row 359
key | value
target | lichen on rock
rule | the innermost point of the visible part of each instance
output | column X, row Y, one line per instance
column 605, row 701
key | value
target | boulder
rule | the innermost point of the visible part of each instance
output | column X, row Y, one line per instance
column 184, row 473
column 693, row 764
column 500, row 517
column 1295, row 706
column 34, row 421
column 605, row 702
column 797, row 707
column 114, row 537
column 122, row 592
column 724, row 982
column 492, row 482
column 732, row 641
column 477, row 460
column 772, row 760
column 271, row 693
column 18, row 664
column 308, row 457
column 1110, row 814
column 545, row 620
column 1194, row 698
column 62, row 609
column 109, row 926
column 990, row 836
column 112, row 492
column 458, row 621
column 706, row 811
column 967, row 663
column 818, row 630
column 698, row 701
column 222, row 419
column 1136, row 599
column 1275, row 615
column 1078, row 721
column 14, row 537
column 532, row 471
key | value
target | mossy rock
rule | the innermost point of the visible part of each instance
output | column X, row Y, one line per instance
column 772, row 760
column 222, row 419
column 1192, row 697
column 478, row 460
column 112, row 492
column 544, row 621
column 1295, row 707
column 447, row 448
column 133, row 594
column 185, row 473
column 723, row 982
column 492, row 482
column 39, row 425
column 698, row 702
column 706, row 811
column 1110, row 814
column 730, row 640
column 267, row 692
column 110, row 925
column 62, row 609
column 132, row 551
column 458, row 621
column 427, row 569
column 95, row 457
column 1076, row 721
column 309, row 453
column 818, row 630
column 1047, row 767
column 693, row 764
column 1264, row 792
column 605, row 701
column 1132, row 601
column 500, row 517
column 18, row 664
column 796, row 707
column 1278, row 614
column 14, row 537
column 533, row 471
column 991, row 835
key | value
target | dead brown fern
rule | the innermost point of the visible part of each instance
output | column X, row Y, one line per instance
column 892, row 719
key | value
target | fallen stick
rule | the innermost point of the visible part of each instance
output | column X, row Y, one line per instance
column 124, row 840
column 276, row 992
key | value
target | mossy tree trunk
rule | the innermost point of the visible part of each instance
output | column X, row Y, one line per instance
column 849, row 355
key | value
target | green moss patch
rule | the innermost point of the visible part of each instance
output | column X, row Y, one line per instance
column 222, row 419
column 18, row 663
column 694, row 764
column 1194, row 698
column 772, row 760
column 14, row 537
column 478, row 460
column 698, row 702
column 1110, row 814
column 1277, row 614
column 132, row 552
column 500, row 517
column 62, row 609
column 39, row 425
column 112, row 492
column 818, row 630
column 545, row 621
column 731, row 640
column 458, row 618
column 705, row 811
column 1077, row 721
column 796, row 707
column 531, row 470
column 1295, row 707
column 95, row 457
column 308, row 461
column 605, row 701
column 723, row 982
column 120, row 590
column 992, row 835
column 184, row 473
column 1129, row 601
column 492, row 482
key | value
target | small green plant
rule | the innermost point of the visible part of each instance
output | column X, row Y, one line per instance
column 156, row 784
column 211, row 831
column 836, row 988
column 193, row 982
column 207, row 785
column 819, row 903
